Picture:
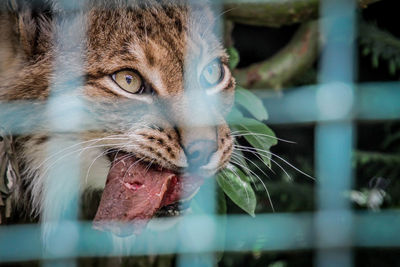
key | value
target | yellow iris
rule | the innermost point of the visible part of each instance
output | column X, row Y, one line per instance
column 128, row 80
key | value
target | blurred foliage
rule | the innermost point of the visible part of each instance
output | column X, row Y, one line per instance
column 290, row 62
column 381, row 169
column 377, row 158
column 379, row 45
column 246, row 121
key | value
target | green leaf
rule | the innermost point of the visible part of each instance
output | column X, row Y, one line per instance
column 251, row 102
column 259, row 135
column 366, row 51
column 234, row 57
column 392, row 67
column 241, row 162
column 278, row 264
column 234, row 115
column 375, row 60
column 233, row 183
column 221, row 207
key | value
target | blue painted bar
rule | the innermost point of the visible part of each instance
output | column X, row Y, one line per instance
column 294, row 105
column 373, row 101
column 194, row 234
column 334, row 140
column 334, row 143
column 378, row 101
column 378, row 229
column 266, row 232
column 334, row 153
column 199, row 105
column 62, row 181
column 20, row 243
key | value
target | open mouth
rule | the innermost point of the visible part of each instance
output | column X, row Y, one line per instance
column 135, row 192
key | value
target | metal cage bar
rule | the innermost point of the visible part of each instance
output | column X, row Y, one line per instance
column 61, row 197
column 334, row 135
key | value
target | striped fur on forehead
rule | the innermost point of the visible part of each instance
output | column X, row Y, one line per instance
column 155, row 39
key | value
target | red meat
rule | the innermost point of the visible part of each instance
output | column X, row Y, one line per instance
column 134, row 193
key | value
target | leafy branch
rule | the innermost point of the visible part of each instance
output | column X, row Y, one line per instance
column 378, row 164
column 284, row 67
column 246, row 120
column 380, row 44
column 364, row 157
column 237, row 179
column 276, row 13
column 290, row 62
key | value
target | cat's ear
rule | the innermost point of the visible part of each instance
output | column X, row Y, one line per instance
column 9, row 174
column 30, row 20
column 27, row 31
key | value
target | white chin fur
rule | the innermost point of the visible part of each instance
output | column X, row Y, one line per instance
column 94, row 169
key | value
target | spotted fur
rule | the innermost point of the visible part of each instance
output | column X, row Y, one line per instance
column 167, row 42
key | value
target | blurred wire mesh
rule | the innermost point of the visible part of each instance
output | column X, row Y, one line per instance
column 333, row 230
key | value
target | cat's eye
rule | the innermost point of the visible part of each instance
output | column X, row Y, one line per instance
column 129, row 81
column 212, row 74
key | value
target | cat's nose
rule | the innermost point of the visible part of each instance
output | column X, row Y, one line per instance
column 199, row 153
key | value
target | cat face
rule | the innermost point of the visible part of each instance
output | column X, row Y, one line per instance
column 166, row 66
column 153, row 79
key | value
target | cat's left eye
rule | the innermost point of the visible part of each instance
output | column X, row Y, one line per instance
column 212, row 74
column 129, row 81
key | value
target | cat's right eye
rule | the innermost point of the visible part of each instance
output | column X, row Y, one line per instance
column 129, row 81
column 212, row 74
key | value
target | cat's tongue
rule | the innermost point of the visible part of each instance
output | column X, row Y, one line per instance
column 134, row 193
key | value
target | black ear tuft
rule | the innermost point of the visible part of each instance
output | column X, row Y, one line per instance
column 30, row 17
column 37, row 6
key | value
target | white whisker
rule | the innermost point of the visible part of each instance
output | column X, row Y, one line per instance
column 237, row 155
column 265, row 187
column 237, row 175
column 149, row 166
column 268, row 153
column 80, row 152
column 130, row 167
column 78, row 144
column 257, row 154
column 91, row 164
column 244, row 133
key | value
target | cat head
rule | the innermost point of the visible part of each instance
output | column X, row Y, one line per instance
column 167, row 60
column 146, row 81
column 152, row 73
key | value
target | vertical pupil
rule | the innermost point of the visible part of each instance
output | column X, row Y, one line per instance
column 128, row 79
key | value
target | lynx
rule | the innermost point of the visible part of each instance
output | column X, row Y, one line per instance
column 155, row 86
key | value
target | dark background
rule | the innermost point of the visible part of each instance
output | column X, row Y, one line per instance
column 259, row 43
